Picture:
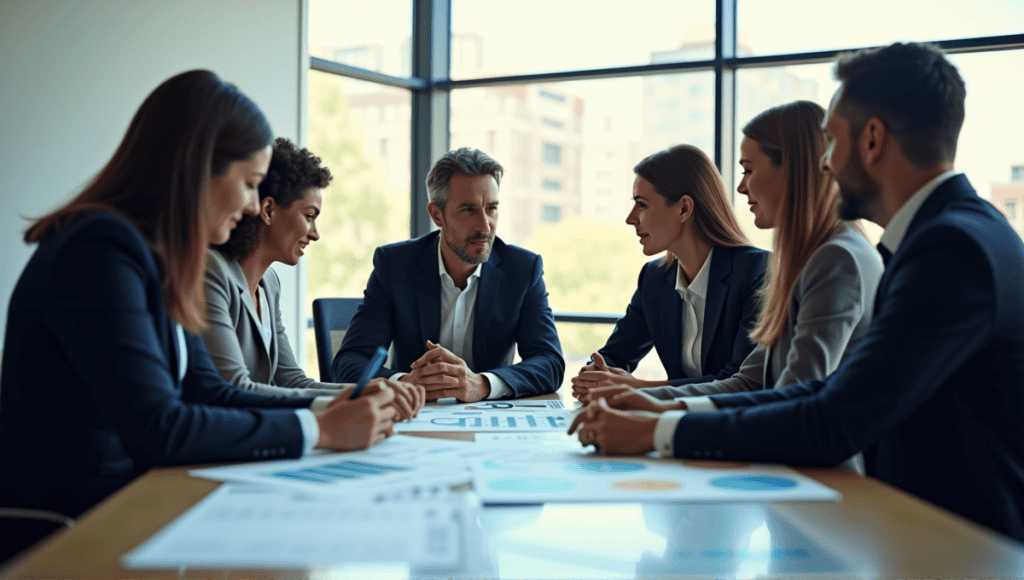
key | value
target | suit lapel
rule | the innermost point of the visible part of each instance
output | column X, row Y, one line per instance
column 428, row 294
column 718, row 291
column 241, row 287
column 953, row 187
column 486, row 298
column 670, row 315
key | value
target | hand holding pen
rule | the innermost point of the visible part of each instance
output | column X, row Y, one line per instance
column 409, row 398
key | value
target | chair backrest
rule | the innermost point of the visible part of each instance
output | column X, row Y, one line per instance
column 330, row 321
column 21, row 528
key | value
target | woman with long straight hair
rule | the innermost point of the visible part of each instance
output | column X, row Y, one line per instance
column 818, row 298
column 103, row 375
column 696, row 303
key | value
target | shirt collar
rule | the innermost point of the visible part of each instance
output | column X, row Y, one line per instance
column 699, row 285
column 444, row 272
column 893, row 235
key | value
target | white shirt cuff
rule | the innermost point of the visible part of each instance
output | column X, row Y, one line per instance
column 665, row 431
column 499, row 388
column 310, row 428
column 698, row 403
column 319, row 404
column 397, row 376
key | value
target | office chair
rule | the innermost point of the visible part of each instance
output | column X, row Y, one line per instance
column 22, row 528
column 330, row 321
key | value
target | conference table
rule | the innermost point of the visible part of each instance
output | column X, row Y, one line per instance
column 874, row 531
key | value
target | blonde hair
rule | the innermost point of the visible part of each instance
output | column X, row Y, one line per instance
column 685, row 170
column 791, row 137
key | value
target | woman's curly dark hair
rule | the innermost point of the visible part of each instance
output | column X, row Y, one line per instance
column 292, row 173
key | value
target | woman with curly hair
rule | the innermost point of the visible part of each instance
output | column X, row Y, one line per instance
column 246, row 336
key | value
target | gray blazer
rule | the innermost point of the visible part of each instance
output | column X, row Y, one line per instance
column 829, row 312
column 234, row 339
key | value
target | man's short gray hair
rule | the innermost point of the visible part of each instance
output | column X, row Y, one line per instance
column 462, row 161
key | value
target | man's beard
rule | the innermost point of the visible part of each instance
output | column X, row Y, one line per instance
column 857, row 191
column 462, row 250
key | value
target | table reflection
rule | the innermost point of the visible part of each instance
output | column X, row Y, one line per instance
column 634, row 540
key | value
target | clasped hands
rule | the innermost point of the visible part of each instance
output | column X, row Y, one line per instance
column 348, row 424
column 443, row 374
column 618, row 419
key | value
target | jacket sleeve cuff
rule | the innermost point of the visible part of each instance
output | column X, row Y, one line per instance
column 499, row 388
column 665, row 430
column 310, row 429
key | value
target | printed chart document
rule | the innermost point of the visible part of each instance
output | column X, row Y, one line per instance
column 539, row 474
column 394, row 468
column 253, row 526
column 521, row 416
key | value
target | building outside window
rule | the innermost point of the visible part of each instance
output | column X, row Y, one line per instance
column 577, row 134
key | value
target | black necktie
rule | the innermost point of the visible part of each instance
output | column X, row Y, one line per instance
column 886, row 254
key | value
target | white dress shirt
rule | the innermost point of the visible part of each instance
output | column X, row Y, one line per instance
column 307, row 420
column 458, row 319
column 891, row 239
column 694, row 297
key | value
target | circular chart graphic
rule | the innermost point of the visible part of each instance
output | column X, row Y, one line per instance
column 531, row 485
column 646, row 485
column 509, row 461
column 754, row 483
column 605, row 467
column 712, row 464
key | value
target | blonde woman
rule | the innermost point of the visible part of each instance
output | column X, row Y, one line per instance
column 819, row 294
column 696, row 304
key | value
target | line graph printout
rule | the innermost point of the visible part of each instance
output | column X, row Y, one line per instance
column 536, row 416
column 535, row 475
column 254, row 526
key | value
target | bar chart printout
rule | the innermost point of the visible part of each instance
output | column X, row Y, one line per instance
column 242, row 525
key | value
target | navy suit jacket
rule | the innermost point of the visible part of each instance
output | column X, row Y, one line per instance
column 90, row 394
column 933, row 395
column 655, row 316
column 402, row 304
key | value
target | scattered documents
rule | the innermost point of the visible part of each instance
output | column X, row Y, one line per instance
column 539, row 474
column 242, row 526
column 521, row 416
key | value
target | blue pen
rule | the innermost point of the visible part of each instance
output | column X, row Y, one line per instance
column 371, row 368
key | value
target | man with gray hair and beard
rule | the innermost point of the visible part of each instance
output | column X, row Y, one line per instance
column 455, row 303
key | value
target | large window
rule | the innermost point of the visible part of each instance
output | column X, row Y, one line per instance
column 570, row 95
column 361, row 132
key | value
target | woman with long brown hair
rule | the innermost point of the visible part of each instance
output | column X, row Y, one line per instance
column 696, row 303
column 103, row 376
column 818, row 298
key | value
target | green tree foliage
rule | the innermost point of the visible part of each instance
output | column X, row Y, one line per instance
column 361, row 211
column 589, row 266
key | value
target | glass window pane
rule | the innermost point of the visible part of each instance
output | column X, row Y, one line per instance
column 990, row 145
column 804, row 25
column 528, row 36
column 361, row 131
column 371, row 35
column 760, row 89
column 601, row 129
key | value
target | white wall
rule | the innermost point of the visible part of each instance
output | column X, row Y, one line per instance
column 73, row 72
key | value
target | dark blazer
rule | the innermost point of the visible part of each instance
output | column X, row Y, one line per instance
column 91, row 395
column 654, row 316
column 402, row 305
column 934, row 394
